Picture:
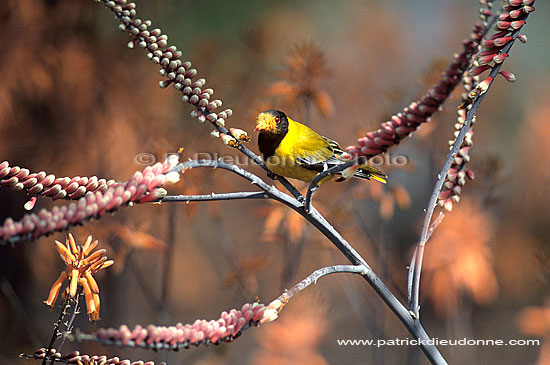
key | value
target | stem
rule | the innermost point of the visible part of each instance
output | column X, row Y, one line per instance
column 215, row 197
column 317, row 274
column 56, row 332
column 416, row 263
column 69, row 325
column 313, row 185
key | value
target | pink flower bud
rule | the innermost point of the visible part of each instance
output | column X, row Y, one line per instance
column 487, row 43
column 510, row 77
column 483, row 60
column 346, row 156
column 478, row 70
column 517, row 24
column 500, row 58
column 503, row 25
column 515, row 14
column 484, row 85
column 499, row 42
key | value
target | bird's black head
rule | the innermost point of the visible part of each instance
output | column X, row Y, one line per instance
column 272, row 122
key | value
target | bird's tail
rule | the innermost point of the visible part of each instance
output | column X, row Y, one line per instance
column 366, row 172
column 369, row 172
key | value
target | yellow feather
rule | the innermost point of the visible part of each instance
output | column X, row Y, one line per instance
column 378, row 178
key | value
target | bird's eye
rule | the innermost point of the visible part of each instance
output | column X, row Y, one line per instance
column 277, row 120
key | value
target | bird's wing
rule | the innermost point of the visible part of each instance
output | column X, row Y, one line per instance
column 334, row 145
column 322, row 159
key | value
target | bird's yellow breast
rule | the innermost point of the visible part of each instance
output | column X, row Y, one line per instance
column 299, row 142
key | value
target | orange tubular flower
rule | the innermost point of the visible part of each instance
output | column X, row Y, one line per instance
column 56, row 288
column 82, row 264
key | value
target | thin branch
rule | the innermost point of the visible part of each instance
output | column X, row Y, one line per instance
column 56, row 326
column 69, row 325
column 215, row 197
column 313, row 184
column 317, row 274
column 402, row 124
column 416, row 264
column 56, row 332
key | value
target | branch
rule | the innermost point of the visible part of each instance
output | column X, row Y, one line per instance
column 313, row 184
column 477, row 96
column 271, row 191
column 61, row 322
column 316, row 275
column 215, row 197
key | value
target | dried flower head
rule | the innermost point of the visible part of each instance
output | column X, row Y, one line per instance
column 460, row 260
column 302, row 76
column 82, row 264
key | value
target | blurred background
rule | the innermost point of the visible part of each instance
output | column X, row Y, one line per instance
column 75, row 100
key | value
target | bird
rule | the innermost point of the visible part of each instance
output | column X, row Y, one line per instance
column 293, row 150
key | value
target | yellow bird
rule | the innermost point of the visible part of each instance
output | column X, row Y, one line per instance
column 294, row 150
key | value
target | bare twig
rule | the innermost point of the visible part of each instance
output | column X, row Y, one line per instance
column 215, row 197
column 317, row 274
column 313, row 185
